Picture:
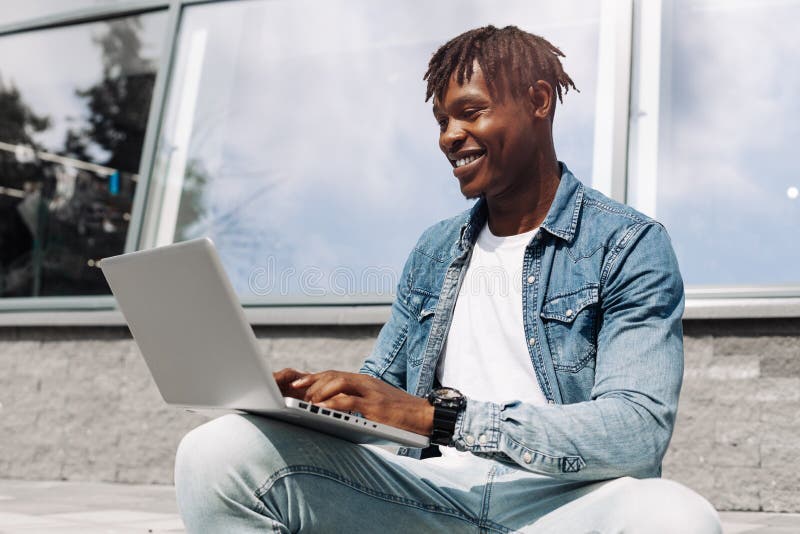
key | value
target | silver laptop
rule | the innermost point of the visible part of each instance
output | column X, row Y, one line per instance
column 186, row 318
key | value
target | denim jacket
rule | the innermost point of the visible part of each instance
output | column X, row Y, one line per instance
column 602, row 305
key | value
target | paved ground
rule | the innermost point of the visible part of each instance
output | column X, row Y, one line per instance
column 92, row 508
column 86, row 508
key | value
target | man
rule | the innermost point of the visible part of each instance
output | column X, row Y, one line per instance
column 561, row 386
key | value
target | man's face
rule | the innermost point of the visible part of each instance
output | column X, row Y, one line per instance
column 490, row 142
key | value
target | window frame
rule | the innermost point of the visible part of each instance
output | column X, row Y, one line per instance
column 625, row 144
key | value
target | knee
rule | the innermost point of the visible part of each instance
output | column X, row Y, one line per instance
column 218, row 453
column 660, row 505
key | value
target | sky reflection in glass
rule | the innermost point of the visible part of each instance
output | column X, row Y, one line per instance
column 298, row 139
column 728, row 170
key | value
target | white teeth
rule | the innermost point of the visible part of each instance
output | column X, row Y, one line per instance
column 469, row 159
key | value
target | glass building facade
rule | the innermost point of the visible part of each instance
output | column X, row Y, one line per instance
column 74, row 103
column 727, row 181
column 295, row 134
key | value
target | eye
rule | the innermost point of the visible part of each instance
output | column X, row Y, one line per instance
column 471, row 113
column 442, row 124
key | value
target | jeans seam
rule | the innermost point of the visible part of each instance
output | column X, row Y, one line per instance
column 259, row 508
column 485, row 522
column 312, row 470
column 487, row 495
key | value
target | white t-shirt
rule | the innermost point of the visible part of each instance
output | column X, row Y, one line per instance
column 486, row 354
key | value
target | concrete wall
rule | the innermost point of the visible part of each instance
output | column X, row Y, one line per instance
column 79, row 404
column 737, row 439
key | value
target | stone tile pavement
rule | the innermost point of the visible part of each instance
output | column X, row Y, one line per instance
column 28, row 507
column 37, row 507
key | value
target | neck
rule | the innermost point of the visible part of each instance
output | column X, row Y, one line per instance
column 524, row 208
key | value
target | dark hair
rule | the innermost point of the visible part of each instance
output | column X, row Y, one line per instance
column 506, row 56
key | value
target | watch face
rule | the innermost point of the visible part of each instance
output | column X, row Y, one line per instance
column 447, row 393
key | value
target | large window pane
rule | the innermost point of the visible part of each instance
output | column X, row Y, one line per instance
column 297, row 135
column 728, row 172
column 74, row 103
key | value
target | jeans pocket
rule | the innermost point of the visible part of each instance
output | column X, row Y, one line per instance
column 570, row 324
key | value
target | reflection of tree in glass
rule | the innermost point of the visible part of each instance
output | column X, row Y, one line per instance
column 17, row 120
column 241, row 246
column 21, row 183
column 192, row 208
column 91, row 222
column 119, row 103
column 81, row 215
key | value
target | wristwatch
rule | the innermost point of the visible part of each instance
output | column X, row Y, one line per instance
column 447, row 404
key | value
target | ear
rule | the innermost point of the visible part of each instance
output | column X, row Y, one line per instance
column 540, row 95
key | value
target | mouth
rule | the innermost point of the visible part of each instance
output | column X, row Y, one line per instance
column 464, row 163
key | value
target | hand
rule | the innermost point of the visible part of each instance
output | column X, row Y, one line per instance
column 373, row 398
column 285, row 378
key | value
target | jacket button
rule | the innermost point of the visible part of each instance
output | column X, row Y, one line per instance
column 568, row 313
column 527, row 458
column 531, row 279
column 532, row 341
column 482, row 439
column 470, row 440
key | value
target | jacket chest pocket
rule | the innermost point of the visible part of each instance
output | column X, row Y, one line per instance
column 570, row 324
column 423, row 306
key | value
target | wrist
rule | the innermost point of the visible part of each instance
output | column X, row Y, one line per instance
column 426, row 424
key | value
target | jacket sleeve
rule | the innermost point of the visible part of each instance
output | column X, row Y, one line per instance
column 388, row 358
column 625, row 427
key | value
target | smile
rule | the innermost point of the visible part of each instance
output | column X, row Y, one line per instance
column 466, row 160
column 469, row 159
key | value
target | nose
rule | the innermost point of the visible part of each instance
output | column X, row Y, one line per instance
column 451, row 139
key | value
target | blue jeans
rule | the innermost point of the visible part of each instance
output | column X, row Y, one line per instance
column 251, row 474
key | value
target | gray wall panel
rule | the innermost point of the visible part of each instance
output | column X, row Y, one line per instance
column 79, row 404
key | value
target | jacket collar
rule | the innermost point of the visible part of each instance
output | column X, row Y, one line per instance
column 561, row 219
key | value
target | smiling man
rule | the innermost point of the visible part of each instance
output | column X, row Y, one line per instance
column 536, row 338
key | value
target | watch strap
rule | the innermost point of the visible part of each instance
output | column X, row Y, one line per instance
column 444, row 423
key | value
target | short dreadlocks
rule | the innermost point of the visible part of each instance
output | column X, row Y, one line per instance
column 508, row 55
